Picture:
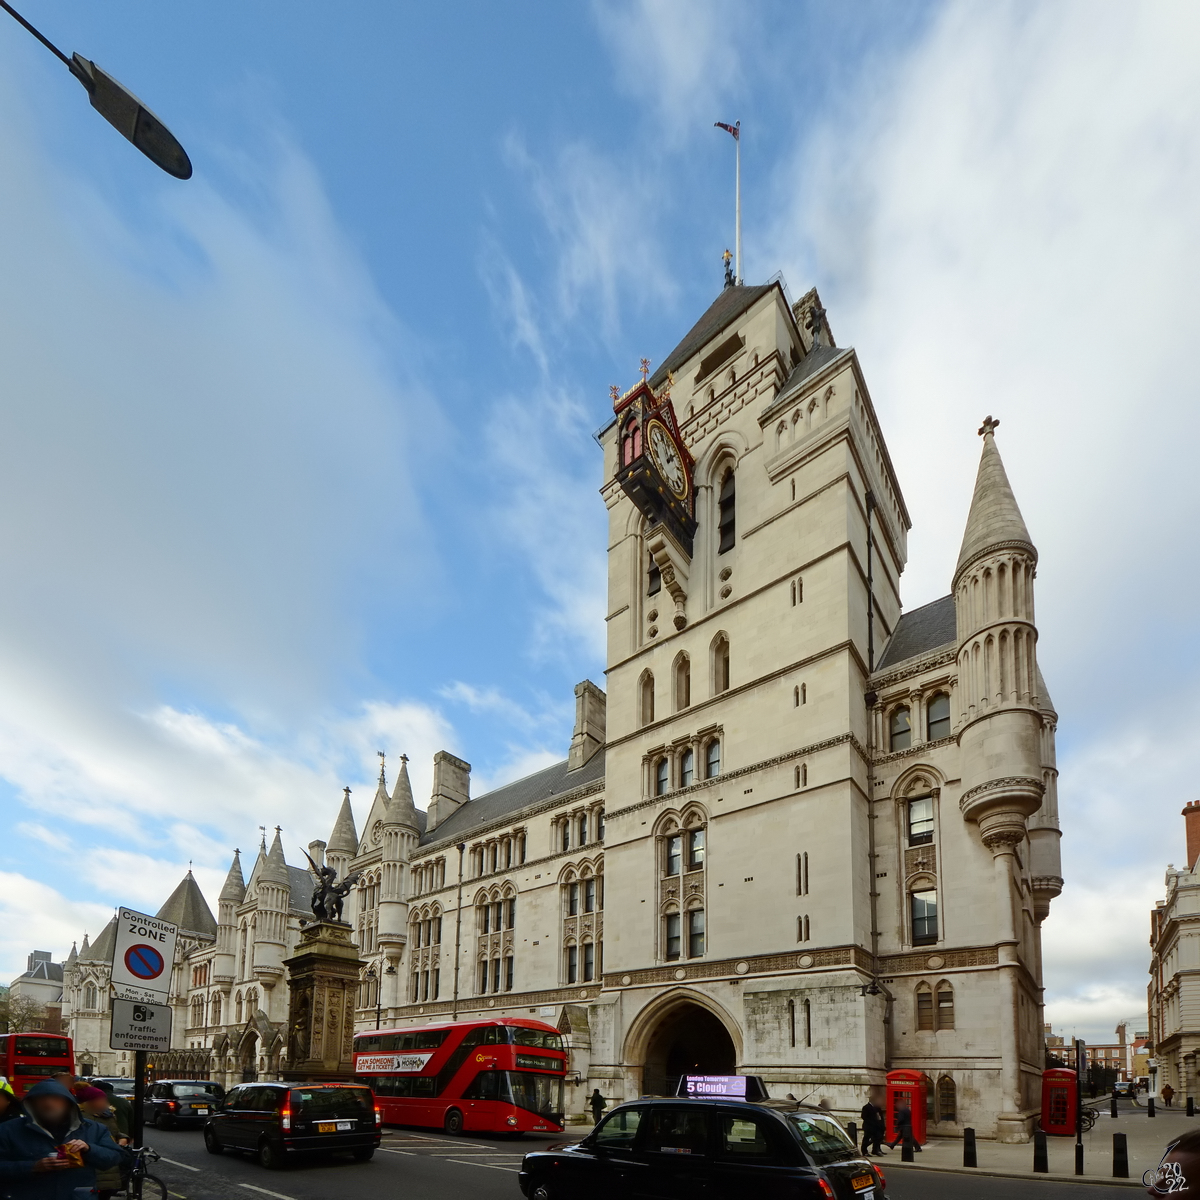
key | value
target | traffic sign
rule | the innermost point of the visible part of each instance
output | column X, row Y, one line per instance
column 143, row 957
column 138, row 1026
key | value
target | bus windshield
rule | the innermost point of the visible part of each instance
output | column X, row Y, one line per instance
column 531, row 1090
column 543, row 1039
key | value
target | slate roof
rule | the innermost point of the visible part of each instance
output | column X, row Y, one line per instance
column 48, row 972
column 302, row 889
column 816, row 359
column 918, row 632
column 495, row 806
column 101, row 950
column 727, row 307
column 187, row 908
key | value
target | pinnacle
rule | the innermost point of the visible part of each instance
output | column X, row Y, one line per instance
column 344, row 838
column 235, row 886
column 401, row 809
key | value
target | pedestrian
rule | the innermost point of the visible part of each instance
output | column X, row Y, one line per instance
column 874, row 1127
column 93, row 1103
column 904, row 1129
column 10, row 1106
column 120, row 1106
column 1178, row 1173
column 599, row 1104
column 54, row 1150
column 66, row 1079
column 1167, row 1093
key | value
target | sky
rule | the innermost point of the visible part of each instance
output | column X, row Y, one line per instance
column 296, row 458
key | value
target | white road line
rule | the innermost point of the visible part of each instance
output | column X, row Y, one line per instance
column 466, row 1162
column 178, row 1164
column 389, row 1150
column 277, row 1195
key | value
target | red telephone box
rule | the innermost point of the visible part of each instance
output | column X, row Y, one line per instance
column 906, row 1089
column 1060, row 1097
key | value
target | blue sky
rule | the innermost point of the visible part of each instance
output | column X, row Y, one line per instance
column 296, row 458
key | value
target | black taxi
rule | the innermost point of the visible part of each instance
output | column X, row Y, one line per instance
column 276, row 1122
column 706, row 1149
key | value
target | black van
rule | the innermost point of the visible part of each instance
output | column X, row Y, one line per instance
column 663, row 1149
column 277, row 1121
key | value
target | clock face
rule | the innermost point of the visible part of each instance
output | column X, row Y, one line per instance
column 666, row 458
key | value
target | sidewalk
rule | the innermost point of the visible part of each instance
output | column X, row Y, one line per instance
column 1146, row 1139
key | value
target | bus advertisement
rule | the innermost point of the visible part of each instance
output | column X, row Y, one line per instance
column 28, row 1058
column 499, row 1076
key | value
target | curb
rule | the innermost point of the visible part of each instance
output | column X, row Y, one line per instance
column 992, row 1173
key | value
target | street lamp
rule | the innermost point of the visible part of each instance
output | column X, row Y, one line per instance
column 120, row 108
column 372, row 975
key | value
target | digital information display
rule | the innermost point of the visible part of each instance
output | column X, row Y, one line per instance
column 716, row 1085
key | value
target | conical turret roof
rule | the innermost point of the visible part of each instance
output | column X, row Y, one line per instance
column 73, row 957
column 401, row 809
column 275, row 867
column 995, row 520
column 187, row 908
column 234, row 888
column 83, row 950
column 101, row 950
column 344, row 838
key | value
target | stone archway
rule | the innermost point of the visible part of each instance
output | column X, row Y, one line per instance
column 682, row 1037
column 249, row 1057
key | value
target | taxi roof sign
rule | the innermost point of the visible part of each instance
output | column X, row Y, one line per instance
column 143, row 956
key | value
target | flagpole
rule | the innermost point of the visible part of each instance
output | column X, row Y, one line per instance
column 737, row 266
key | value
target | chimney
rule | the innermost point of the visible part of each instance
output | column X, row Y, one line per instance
column 316, row 851
column 588, row 737
column 451, row 788
column 1191, row 821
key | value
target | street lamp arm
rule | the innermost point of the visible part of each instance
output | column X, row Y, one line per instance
column 41, row 37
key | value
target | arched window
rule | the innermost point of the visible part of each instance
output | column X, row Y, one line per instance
column 900, row 733
column 780, row 434
column 924, row 916
column 725, row 518
column 683, row 682
column 712, row 759
column 720, row 664
column 686, row 769
column 947, row 1099
column 939, row 725
column 238, row 1008
column 89, row 996
column 662, row 776
column 924, row 1007
column 215, row 1009
column 795, row 697
column 653, row 578
column 566, row 835
column 631, row 442
column 646, row 698
column 583, row 829
column 572, row 964
column 945, row 1006
column 920, row 821
column 797, row 588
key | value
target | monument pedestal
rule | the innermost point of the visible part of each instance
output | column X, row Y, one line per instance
column 323, row 978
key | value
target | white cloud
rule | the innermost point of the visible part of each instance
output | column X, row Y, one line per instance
column 1003, row 221
column 34, row 916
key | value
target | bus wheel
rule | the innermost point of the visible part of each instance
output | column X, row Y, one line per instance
column 453, row 1123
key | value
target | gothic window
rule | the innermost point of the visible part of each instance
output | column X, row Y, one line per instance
column 215, row 1009
column 900, row 732
column 695, row 849
column 89, row 996
column 589, row 962
column 496, row 967
column 572, row 964
column 573, row 899
column 725, row 517
column 797, row 584
column 924, row 914
column 720, row 664
column 780, row 434
column 566, row 835
column 589, row 895
column 712, row 759
column 481, row 978
column 521, row 848
column 947, row 1099
column 939, row 722
column 696, row 933
column 808, row 1022
column 671, row 938
column 251, row 1002
column 674, row 854
column 238, row 1008
column 197, row 1011
column 686, row 768
column 944, row 1006
column 646, row 698
column 795, row 697
column 510, row 913
column 662, row 776
column 924, row 1007
column 508, row 972
column 683, row 682
column 653, row 578
column 802, row 928
column 791, row 1010
column 804, row 693
column 920, row 821
column 802, row 775
column 600, row 825
column 802, row 873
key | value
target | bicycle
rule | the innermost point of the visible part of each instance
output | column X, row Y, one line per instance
column 141, row 1185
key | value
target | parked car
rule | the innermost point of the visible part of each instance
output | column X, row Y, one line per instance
column 120, row 1085
column 663, row 1149
column 173, row 1102
column 277, row 1121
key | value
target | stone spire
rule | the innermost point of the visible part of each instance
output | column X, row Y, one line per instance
column 85, row 947
column 275, row 867
column 234, row 890
column 344, row 838
column 401, row 809
column 995, row 521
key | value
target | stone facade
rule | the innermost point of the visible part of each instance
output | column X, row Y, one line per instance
column 805, row 835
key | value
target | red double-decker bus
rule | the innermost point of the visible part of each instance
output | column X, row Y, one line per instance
column 500, row 1076
column 28, row 1058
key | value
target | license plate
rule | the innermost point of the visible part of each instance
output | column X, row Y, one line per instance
column 334, row 1126
column 862, row 1181
column 199, row 1109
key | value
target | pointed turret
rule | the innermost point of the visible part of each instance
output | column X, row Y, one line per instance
column 275, row 868
column 995, row 521
column 344, row 838
column 401, row 833
column 187, row 908
column 401, row 809
column 72, row 958
column 234, row 889
column 274, row 900
column 233, row 892
column 83, row 950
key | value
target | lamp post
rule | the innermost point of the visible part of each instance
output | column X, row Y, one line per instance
column 120, row 108
column 373, row 976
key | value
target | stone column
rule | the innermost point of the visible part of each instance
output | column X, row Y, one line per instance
column 323, row 977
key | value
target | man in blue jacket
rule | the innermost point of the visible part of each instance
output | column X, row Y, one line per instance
column 54, row 1149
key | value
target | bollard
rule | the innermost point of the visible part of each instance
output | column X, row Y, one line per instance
column 1078, row 1158
column 1112, row 1108
column 1191, row 1107
column 1149, row 1106
column 852, row 1130
column 1041, row 1160
column 969, row 1159
column 1120, row 1157
column 906, row 1150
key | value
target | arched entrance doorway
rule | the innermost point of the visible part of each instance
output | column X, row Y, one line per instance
column 688, row 1040
column 250, row 1057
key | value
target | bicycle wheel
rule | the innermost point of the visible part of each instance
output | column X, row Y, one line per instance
column 152, row 1188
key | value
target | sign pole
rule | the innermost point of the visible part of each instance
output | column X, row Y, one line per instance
column 139, row 1096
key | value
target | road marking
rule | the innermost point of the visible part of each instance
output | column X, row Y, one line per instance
column 389, row 1150
column 277, row 1195
column 466, row 1162
column 178, row 1164
column 179, row 1195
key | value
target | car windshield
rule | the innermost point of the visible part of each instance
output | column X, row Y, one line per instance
column 824, row 1139
column 543, row 1039
column 190, row 1089
column 332, row 1102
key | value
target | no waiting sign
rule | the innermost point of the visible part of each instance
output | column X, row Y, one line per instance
column 143, row 956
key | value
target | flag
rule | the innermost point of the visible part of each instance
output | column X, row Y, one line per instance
column 736, row 130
